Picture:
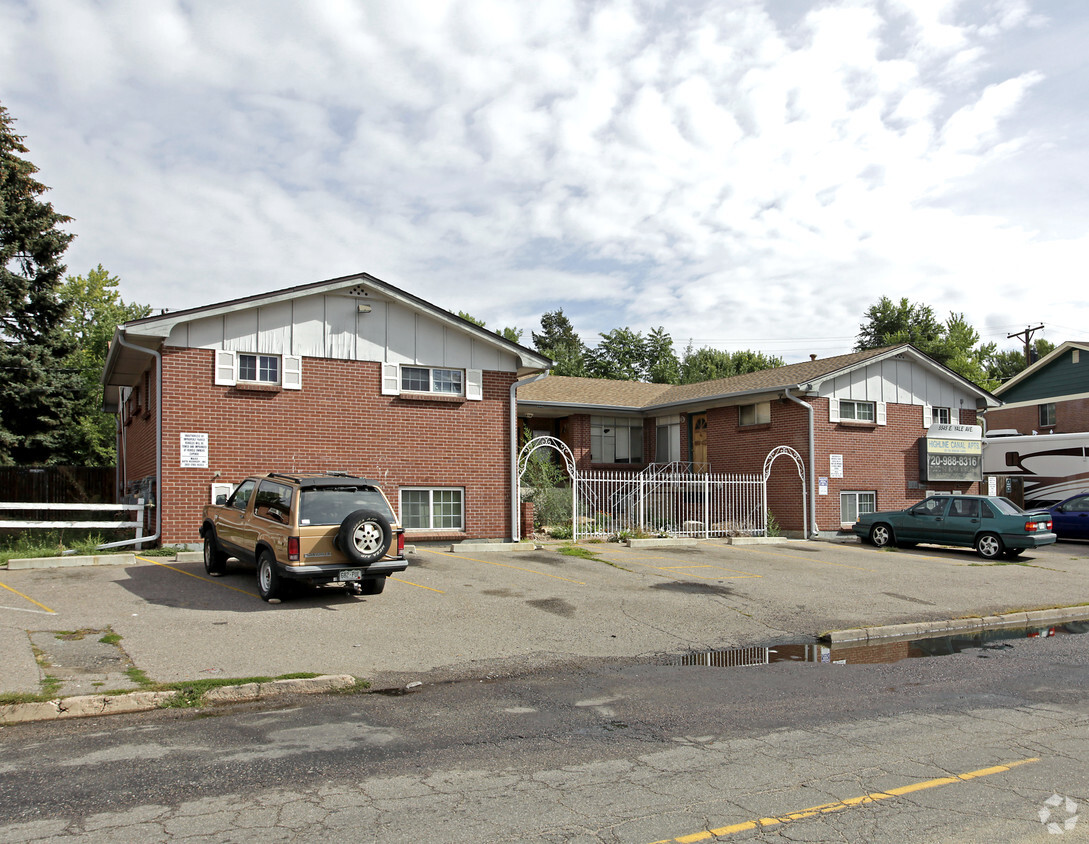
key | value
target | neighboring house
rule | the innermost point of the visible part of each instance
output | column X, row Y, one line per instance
column 856, row 420
column 1049, row 397
column 350, row 374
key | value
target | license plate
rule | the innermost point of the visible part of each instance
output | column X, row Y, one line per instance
column 349, row 575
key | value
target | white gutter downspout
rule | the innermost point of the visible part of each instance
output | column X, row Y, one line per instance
column 515, row 512
column 812, row 464
column 158, row 447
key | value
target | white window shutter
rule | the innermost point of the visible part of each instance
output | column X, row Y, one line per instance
column 954, row 416
column 391, row 379
column 225, row 371
column 292, row 379
column 882, row 413
column 474, row 384
column 928, row 415
column 833, row 410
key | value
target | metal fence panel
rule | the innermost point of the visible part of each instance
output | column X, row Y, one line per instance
column 670, row 503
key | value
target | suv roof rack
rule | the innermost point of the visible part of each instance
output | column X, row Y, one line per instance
column 319, row 479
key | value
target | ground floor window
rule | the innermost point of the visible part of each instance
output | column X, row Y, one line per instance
column 1047, row 415
column 855, row 504
column 940, row 415
column 754, row 414
column 433, row 509
column 616, row 440
column 667, row 439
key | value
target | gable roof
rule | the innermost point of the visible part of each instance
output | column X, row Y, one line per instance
column 124, row 364
column 1032, row 371
column 805, row 377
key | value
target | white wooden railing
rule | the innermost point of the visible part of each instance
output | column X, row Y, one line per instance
column 137, row 523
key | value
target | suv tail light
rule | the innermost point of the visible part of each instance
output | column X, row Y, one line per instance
column 293, row 548
column 400, row 542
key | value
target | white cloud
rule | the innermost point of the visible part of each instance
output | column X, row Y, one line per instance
column 737, row 177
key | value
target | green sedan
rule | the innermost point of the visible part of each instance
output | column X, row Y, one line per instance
column 993, row 526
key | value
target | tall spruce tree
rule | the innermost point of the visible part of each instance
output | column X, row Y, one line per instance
column 37, row 390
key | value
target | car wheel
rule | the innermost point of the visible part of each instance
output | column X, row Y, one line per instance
column 365, row 536
column 215, row 561
column 989, row 546
column 881, row 535
column 268, row 579
column 371, row 587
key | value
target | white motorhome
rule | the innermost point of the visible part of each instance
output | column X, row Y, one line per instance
column 1051, row 466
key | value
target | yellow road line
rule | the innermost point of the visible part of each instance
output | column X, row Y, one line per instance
column 731, row 574
column 507, row 566
column 759, row 548
column 417, row 585
column 199, row 577
column 839, row 805
column 21, row 595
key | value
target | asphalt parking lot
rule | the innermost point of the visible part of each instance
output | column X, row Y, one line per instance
column 471, row 614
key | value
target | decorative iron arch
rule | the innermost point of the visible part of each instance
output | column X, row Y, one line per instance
column 569, row 461
column 777, row 452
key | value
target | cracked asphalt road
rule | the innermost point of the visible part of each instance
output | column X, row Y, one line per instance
column 957, row 748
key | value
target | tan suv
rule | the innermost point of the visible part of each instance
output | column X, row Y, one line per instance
column 328, row 528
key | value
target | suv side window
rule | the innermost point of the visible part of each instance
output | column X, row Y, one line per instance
column 273, row 502
column 241, row 496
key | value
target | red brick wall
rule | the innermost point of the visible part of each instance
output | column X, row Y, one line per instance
column 880, row 458
column 876, row 458
column 338, row 421
column 1071, row 417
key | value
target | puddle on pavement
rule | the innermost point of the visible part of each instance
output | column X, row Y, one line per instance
column 81, row 662
column 878, row 652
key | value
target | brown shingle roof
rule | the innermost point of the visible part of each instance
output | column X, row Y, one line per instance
column 637, row 395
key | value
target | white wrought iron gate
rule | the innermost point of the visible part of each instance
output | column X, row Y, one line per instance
column 666, row 499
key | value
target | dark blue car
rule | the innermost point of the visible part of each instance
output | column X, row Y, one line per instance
column 1070, row 518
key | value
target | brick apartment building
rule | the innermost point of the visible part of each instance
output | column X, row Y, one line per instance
column 1049, row 397
column 350, row 374
column 864, row 414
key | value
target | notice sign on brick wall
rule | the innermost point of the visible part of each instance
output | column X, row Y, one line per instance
column 194, row 451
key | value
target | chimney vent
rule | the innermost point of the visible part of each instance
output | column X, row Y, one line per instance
column 812, row 357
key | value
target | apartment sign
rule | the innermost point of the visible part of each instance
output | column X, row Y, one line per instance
column 951, row 453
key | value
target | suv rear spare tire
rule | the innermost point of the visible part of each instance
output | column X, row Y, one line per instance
column 365, row 536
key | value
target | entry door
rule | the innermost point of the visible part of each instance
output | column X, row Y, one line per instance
column 700, row 462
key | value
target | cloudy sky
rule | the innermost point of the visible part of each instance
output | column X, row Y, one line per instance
column 745, row 173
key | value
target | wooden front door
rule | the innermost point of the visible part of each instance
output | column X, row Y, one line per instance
column 700, row 462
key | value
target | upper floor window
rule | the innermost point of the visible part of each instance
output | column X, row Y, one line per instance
column 1047, row 415
column 262, row 369
column 860, row 411
column 235, row 368
column 755, row 414
column 616, row 440
column 432, row 379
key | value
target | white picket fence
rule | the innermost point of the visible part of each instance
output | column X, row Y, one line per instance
column 670, row 503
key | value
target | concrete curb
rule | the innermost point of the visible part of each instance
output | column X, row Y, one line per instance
column 922, row 629
column 486, row 547
column 85, row 706
column 72, row 561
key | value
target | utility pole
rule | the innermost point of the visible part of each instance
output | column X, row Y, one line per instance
column 1028, row 332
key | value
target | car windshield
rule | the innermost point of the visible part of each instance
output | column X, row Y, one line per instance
column 1006, row 507
column 329, row 505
